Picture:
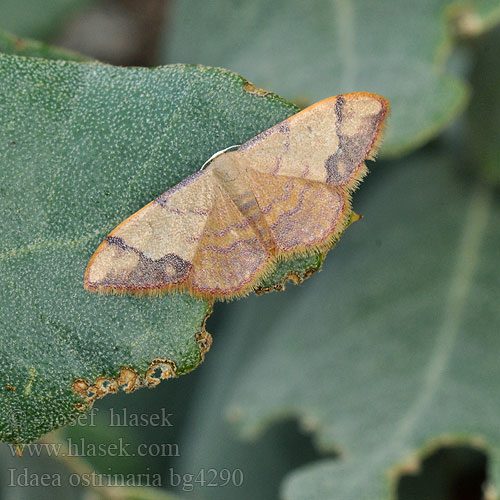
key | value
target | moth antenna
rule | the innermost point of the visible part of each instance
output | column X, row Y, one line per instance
column 222, row 151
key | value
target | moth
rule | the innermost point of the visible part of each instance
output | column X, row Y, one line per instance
column 286, row 192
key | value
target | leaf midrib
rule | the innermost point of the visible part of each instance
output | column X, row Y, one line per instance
column 476, row 218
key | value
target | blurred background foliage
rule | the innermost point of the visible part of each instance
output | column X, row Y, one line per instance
column 379, row 376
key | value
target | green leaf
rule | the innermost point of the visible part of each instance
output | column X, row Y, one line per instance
column 32, row 18
column 10, row 44
column 391, row 350
column 484, row 113
column 83, row 146
column 307, row 51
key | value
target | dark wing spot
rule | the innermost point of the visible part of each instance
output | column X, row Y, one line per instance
column 149, row 273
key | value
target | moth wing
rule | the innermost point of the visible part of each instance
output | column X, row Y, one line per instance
column 154, row 248
column 326, row 142
column 230, row 255
column 300, row 214
column 193, row 237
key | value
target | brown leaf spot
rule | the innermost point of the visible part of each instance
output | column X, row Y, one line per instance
column 80, row 386
column 291, row 276
column 252, row 89
column 128, row 379
column 160, row 369
column 105, row 386
column 204, row 340
column 81, row 407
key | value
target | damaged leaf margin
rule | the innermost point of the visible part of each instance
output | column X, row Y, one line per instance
column 130, row 379
column 412, row 465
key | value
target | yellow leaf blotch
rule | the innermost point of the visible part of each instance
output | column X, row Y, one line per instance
column 285, row 192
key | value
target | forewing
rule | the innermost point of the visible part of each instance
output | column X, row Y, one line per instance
column 326, row 142
column 154, row 248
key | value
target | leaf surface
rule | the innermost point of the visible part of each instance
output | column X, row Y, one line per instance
column 483, row 115
column 32, row 18
column 307, row 51
column 83, row 146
